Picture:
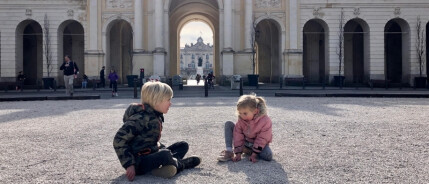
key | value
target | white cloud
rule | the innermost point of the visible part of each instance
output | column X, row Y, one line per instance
column 192, row 30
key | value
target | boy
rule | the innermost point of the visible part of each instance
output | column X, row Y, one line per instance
column 137, row 142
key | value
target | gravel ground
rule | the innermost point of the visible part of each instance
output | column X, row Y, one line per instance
column 316, row 140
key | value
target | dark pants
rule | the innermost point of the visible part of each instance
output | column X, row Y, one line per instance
column 114, row 86
column 102, row 82
column 171, row 155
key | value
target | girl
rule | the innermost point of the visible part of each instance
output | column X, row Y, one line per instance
column 251, row 134
column 113, row 77
column 137, row 142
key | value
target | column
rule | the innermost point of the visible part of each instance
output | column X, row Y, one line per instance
column 138, row 26
column 293, row 24
column 227, row 24
column 158, row 24
column 227, row 52
column 248, row 25
column 159, row 53
column 93, row 28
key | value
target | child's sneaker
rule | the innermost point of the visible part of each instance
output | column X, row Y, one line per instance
column 167, row 171
column 225, row 156
column 191, row 162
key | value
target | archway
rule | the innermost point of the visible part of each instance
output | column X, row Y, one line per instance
column 196, row 52
column 182, row 12
column 0, row 54
column 396, row 51
column 427, row 51
column 356, row 45
column 119, row 49
column 315, row 49
column 268, row 38
column 71, row 42
column 29, row 51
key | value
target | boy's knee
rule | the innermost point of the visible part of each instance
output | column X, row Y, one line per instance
column 165, row 153
column 184, row 145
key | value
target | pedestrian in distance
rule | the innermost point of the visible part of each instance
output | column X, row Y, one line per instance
column 70, row 73
column 137, row 142
column 198, row 78
column 20, row 81
column 252, row 133
column 84, row 81
column 102, row 79
column 210, row 78
column 113, row 77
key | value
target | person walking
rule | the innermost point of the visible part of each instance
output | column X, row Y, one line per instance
column 70, row 72
column 198, row 77
column 102, row 80
column 113, row 77
column 84, row 81
column 20, row 81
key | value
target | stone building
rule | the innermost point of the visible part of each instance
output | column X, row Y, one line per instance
column 294, row 38
column 196, row 58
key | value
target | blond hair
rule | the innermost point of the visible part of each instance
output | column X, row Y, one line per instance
column 252, row 102
column 153, row 93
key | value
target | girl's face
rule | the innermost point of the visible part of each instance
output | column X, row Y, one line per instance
column 163, row 106
column 247, row 114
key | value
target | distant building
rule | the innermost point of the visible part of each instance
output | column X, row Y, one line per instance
column 292, row 38
column 194, row 56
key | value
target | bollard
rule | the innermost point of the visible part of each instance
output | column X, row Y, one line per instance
column 93, row 84
column 281, row 82
column 38, row 86
column 241, row 87
column 206, row 88
column 55, row 85
column 21, row 85
column 135, row 87
column 170, row 82
column 181, row 86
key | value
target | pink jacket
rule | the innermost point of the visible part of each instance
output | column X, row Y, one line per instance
column 257, row 131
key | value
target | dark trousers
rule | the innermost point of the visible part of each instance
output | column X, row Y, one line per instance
column 171, row 155
column 102, row 82
column 114, row 86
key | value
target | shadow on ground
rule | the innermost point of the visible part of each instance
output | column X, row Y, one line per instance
column 259, row 172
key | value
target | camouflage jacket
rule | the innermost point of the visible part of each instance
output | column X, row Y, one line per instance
column 141, row 130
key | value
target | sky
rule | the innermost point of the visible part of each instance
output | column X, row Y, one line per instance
column 192, row 30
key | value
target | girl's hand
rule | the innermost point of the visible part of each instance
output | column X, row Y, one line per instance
column 237, row 157
column 253, row 157
column 131, row 172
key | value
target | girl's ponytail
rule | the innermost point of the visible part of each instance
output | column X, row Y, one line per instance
column 262, row 106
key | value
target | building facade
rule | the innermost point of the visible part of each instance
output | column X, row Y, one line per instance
column 373, row 39
column 196, row 59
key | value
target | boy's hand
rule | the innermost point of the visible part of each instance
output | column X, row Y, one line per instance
column 253, row 157
column 131, row 172
column 237, row 157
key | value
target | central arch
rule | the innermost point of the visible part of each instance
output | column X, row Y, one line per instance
column 182, row 12
column 70, row 42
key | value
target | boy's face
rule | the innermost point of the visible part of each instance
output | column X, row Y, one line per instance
column 163, row 106
column 247, row 114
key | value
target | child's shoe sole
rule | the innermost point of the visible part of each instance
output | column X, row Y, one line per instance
column 167, row 171
column 221, row 159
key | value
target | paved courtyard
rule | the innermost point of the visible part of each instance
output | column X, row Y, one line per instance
column 316, row 140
